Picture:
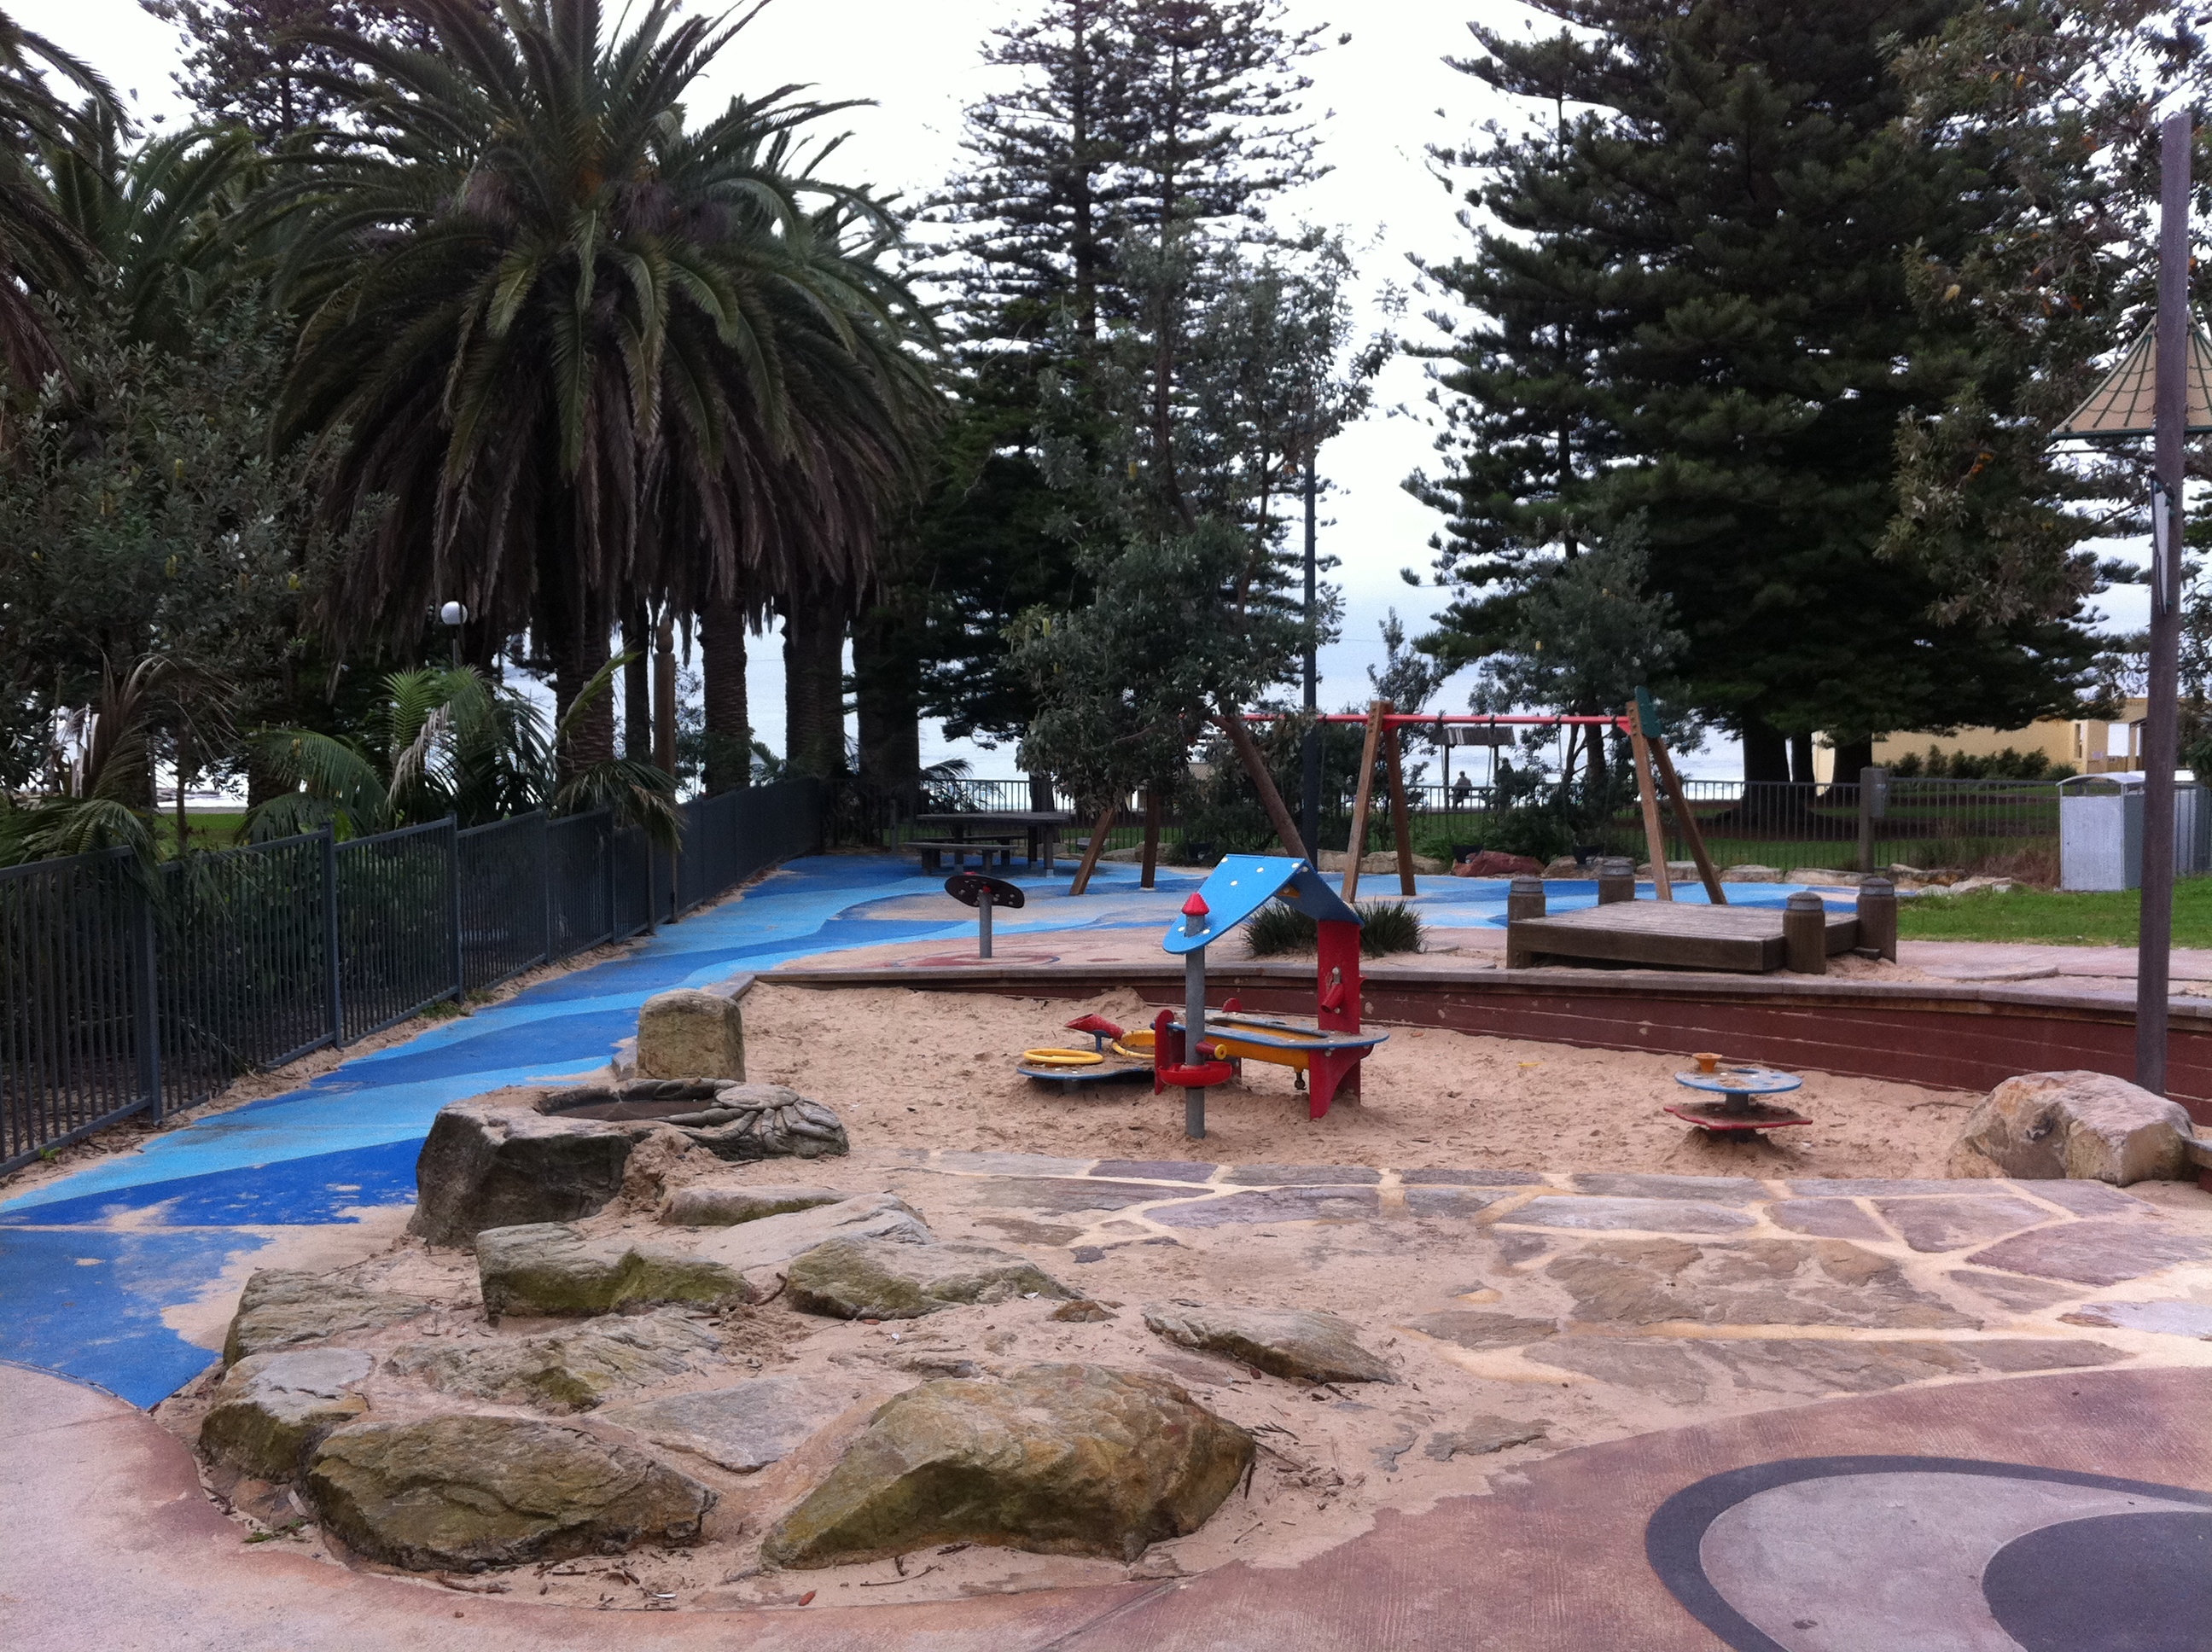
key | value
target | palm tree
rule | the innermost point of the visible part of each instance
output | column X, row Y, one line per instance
column 39, row 252
column 579, row 356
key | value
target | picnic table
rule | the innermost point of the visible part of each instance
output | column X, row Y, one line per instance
column 1040, row 827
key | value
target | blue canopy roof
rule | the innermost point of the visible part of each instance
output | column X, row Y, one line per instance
column 1242, row 884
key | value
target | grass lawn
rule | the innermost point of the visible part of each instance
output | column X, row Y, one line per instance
column 2047, row 916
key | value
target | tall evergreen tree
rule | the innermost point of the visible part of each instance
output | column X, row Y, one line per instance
column 1693, row 276
column 270, row 65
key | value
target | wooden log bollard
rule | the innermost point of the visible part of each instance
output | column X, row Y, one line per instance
column 1805, row 934
column 1616, row 879
column 1524, row 898
column 1878, row 916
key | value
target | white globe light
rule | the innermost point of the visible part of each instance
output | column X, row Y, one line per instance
column 454, row 613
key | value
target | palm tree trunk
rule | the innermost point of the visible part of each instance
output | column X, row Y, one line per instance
column 887, row 694
column 814, row 685
column 637, row 711
column 583, row 653
column 729, row 716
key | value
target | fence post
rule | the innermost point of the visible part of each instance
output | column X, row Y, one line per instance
column 334, row 991
column 146, row 995
column 606, row 841
column 454, row 902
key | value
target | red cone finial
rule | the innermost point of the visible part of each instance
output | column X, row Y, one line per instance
column 1195, row 907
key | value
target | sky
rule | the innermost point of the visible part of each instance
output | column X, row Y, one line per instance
column 1380, row 99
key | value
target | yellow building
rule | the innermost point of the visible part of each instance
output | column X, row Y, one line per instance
column 2088, row 747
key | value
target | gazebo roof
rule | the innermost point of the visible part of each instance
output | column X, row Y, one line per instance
column 2122, row 404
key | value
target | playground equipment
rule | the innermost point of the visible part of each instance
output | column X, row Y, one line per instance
column 1115, row 1057
column 1738, row 1085
column 982, row 892
column 1196, row 1053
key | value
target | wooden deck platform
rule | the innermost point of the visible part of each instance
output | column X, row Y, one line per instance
column 1667, row 935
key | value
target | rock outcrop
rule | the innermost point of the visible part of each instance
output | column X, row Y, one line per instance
column 886, row 1280
column 1056, row 1460
column 743, row 1427
column 271, row 1408
column 555, row 1268
column 563, row 1370
column 2089, row 1125
column 726, row 1207
column 1293, row 1342
column 280, row 1308
column 519, row 1157
column 689, row 1033
column 452, row 1490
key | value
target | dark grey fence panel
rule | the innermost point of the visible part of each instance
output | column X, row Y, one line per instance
column 76, row 1050
column 397, row 940
column 578, row 890
column 119, row 992
column 506, row 899
column 243, row 943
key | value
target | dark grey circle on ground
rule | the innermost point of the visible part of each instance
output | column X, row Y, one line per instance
column 2109, row 1583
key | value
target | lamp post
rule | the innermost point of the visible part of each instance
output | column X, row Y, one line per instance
column 2162, row 388
column 1310, row 748
column 454, row 615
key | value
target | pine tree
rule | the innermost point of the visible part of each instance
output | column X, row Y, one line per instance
column 264, row 64
column 1697, row 310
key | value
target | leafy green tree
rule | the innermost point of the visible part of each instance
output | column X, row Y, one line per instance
column 1693, row 305
column 580, row 355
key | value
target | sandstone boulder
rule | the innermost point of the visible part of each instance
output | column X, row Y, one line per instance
column 452, row 1490
column 1751, row 872
column 1293, row 1342
column 1824, row 876
column 689, row 1033
column 1382, row 860
column 1565, row 865
column 743, row 1427
column 1056, row 1460
column 563, row 1370
column 281, row 1307
column 2089, row 1125
column 271, row 1408
column 1495, row 863
column 520, row 1157
column 884, row 1280
column 554, row 1268
column 724, row 1208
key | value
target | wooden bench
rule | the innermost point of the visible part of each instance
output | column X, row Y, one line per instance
column 934, row 850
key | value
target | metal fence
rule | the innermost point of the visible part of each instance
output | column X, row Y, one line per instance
column 123, row 991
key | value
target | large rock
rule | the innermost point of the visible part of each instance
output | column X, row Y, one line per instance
column 689, row 1034
column 554, row 1268
column 886, row 1280
column 1382, row 860
column 743, row 1427
column 271, row 1408
column 1057, row 1460
column 2044, row 1126
column 1295, row 1342
column 724, row 1208
column 564, row 1371
column 282, row 1307
column 519, row 1157
column 452, row 1490
column 1751, row 872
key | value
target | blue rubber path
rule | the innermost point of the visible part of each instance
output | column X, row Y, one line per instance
column 89, row 1262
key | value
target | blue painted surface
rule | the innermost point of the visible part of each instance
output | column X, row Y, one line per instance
column 89, row 1262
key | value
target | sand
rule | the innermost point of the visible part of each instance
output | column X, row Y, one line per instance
column 906, row 1068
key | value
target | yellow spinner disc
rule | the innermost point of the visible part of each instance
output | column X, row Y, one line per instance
column 1054, row 1058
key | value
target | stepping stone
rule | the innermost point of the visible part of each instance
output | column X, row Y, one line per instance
column 2023, row 1296
column 1300, row 1343
column 1668, row 1370
column 1483, row 1435
column 565, row 1371
column 1272, row 1205
column 2094, row 1252
column 1156, row 1169
column 2088, row 1198
column 2173, row 1318
column 270, row 1407
column 279, row 1307
column 1011, row 1164
column 1825, row 1219
column 1452, row 1201
column 888, row 1280
column 1876, row 1187
column 724, row 1208
column 1470, row 1178
column 1062, row 1195
column 1931, row 1224
column 1466, row 1328
column 742, row 1427
column 1652, row 1215
column 1719, row 1190
column 1302, row 1175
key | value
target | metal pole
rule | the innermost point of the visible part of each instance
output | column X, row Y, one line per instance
column 1193, row 1022
column 2161, row 737
column 146, row 996
column 1310, row 748
column 454, row 902
column 983, row 925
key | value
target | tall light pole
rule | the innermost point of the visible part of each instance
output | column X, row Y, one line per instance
column 1309, row 750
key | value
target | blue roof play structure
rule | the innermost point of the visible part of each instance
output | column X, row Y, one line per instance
column 1241, row 883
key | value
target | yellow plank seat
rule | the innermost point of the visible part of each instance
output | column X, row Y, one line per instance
column 1274, row 1039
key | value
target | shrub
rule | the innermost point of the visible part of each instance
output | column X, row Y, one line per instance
column 1389, row 926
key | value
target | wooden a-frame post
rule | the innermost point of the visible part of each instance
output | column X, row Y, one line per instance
column 1360, row 799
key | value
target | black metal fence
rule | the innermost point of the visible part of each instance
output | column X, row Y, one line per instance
column 122, row 992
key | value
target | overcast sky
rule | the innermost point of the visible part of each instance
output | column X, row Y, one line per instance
column 1382, row 99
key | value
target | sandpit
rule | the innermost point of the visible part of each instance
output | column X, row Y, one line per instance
column 906, row 1068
